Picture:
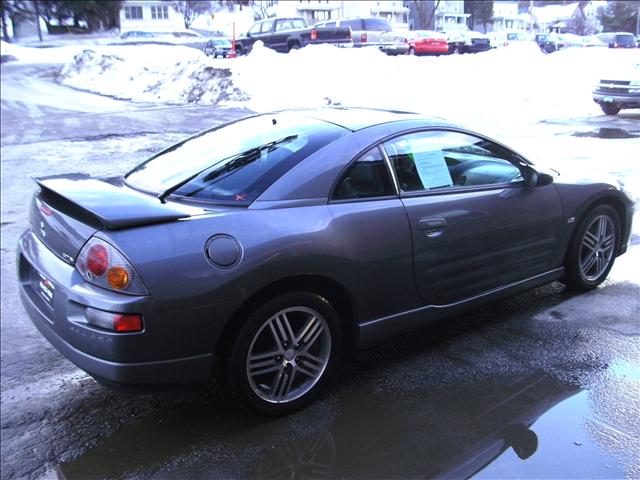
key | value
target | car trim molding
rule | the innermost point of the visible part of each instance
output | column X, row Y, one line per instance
column 378, row 329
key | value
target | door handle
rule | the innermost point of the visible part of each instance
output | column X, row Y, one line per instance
column 432, row 227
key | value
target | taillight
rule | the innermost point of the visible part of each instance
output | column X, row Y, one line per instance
column 120, row 322
column 101, row 264
column 97, row 260
column 314, row 34
column 363, row 37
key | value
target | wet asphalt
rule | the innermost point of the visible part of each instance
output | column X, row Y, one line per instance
column 542, row 385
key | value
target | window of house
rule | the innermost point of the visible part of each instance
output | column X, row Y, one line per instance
column 133, row 13
column 444, row 159
column 159, row 12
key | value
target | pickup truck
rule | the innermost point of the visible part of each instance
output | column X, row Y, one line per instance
column 286, row 34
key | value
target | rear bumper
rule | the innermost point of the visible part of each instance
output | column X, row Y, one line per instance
column 146, row 358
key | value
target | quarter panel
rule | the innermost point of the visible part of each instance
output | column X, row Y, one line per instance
column 365, row 246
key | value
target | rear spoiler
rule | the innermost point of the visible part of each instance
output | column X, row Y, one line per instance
column 112, row 207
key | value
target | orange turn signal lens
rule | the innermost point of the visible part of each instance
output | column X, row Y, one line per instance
column 118, row 277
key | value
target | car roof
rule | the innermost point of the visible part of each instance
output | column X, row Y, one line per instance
column 354, row 118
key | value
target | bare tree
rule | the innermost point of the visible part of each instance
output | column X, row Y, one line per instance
column 191, row 9
column 425, row 12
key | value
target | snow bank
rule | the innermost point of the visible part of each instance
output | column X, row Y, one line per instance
column 39, row 55
column 154, row 73
column 507, row 87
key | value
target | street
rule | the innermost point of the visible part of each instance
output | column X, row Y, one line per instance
column 543, row 384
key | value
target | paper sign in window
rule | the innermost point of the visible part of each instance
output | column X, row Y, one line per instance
column 432, row 169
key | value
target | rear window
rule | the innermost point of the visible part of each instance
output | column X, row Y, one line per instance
column 236, row 162
column 354, row 24
column 376, row 25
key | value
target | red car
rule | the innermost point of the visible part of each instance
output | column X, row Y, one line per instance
column 426, row 42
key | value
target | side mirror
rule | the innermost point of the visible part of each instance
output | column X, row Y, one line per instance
column 536, row 178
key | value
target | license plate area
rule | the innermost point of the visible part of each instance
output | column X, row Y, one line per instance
column 45, row 288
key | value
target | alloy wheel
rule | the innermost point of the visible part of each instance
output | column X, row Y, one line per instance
column 596, row 250
column 288, row 355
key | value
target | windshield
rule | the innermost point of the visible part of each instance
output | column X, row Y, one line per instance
column 234, row 163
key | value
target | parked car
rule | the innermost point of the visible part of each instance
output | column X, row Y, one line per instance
column 373, row 32
column 467, row 41
column 426, row 42
column 265, row 248
column 506, row 38
column 137, row 34
column 620, row 90
column 218, row 47
column 618, row 39
column 548, row 42
column 286, row 34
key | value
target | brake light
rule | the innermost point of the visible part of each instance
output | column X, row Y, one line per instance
column 314, row 34
column 97, row 260
column 120, row 322
column 363, row 37
column 101, row 264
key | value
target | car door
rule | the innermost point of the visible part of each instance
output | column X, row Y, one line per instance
column 279, row 38
column 475, row 224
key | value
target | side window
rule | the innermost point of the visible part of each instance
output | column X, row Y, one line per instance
column 443, row 159
column 330, row 24
column 267, row 27
column 283, row 25
column 366, row 177
column 255, row 29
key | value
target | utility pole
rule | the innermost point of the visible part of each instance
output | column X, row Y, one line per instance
column 531, row 16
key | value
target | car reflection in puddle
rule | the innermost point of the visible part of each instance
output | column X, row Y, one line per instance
column 608, row 133
column 359, row 434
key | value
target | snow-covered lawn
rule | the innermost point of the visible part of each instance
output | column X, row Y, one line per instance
column 504, row 88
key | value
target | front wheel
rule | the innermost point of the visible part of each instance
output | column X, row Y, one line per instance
column 412, row 51
column 593, row 249
column 610, row 108
column 285, row 353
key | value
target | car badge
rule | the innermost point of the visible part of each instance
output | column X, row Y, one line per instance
column 42, row 230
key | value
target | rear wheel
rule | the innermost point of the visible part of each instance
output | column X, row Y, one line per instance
column 412, row 51
column 593, row 249
column 294, row 46
column 285, row 353
column 610, row 108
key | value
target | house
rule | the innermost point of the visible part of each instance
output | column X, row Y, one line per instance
column 506, row 16
column 149, row 15
column 448, row 14
column 319, row 10
column 555, row 18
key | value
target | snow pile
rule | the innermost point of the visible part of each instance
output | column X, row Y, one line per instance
column 151, row 74
column 506, row 87
column 39, row 55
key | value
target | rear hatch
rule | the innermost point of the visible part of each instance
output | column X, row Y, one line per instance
column 69, row 209
column 331, row 35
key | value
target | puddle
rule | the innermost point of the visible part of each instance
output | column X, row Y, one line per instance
column 610, row 133
column 528, row 426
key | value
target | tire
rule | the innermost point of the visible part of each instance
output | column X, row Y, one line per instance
column 296, row 343
column 412, row 51
column 294, row 46
column 610, row 108
column 593, row 248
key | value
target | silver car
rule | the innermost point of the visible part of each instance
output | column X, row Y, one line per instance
column 372, row 32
